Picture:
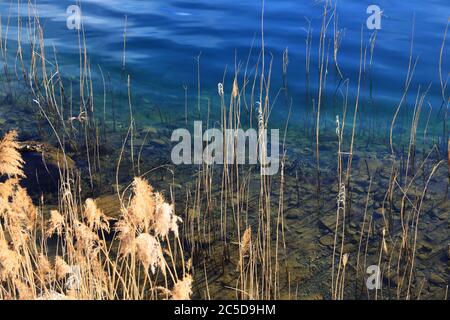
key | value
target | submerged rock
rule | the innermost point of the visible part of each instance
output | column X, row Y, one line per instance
column 293, row 214
column 328, row 222
column 327, row 240
column 436, row 280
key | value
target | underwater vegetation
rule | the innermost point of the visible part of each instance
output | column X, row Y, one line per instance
column 92, row 206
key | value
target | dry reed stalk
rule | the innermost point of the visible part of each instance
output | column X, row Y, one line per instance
column 362, row 232
column 323, row 70
column 416, row 226
column 409, row 76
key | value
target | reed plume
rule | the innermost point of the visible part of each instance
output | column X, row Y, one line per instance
column 142, row 207
column 55, row 223
column 11, row 162
column 95, row 217
column 246, row 242
column 62, row 269
column 9, row 261
column 86, row 238
column 182, row 290
column 44, row 268
column 16, row 206
column 149, row 252
column 126, row 234
column 165, row 219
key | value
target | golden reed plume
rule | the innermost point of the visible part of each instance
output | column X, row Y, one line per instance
column 11, row 162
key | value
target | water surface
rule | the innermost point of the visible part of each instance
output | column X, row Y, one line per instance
column 163, row 39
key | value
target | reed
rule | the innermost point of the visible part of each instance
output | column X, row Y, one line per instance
column 138, row 263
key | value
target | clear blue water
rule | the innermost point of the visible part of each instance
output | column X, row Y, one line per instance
column 164, row 37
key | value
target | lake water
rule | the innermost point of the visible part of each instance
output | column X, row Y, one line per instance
column 163, row 38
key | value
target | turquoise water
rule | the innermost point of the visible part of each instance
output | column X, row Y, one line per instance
column 164, row 37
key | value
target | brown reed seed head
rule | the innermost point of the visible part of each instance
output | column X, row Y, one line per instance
column 6, row 192
column 11, row 162
column 385, row 247
column 55, row 223
column 16, row 206
column 345, row 259
column 149, row 252
column 61, row 268
column 235, row 89
column 22, row 203
column 126, row 235
column 7, row 188
column 44, row 268
column 246, row 242
column 142, row 207
column 95, row 217
column 165, row 219
column 86, row 239
column 182, row 290
column 9, row 261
